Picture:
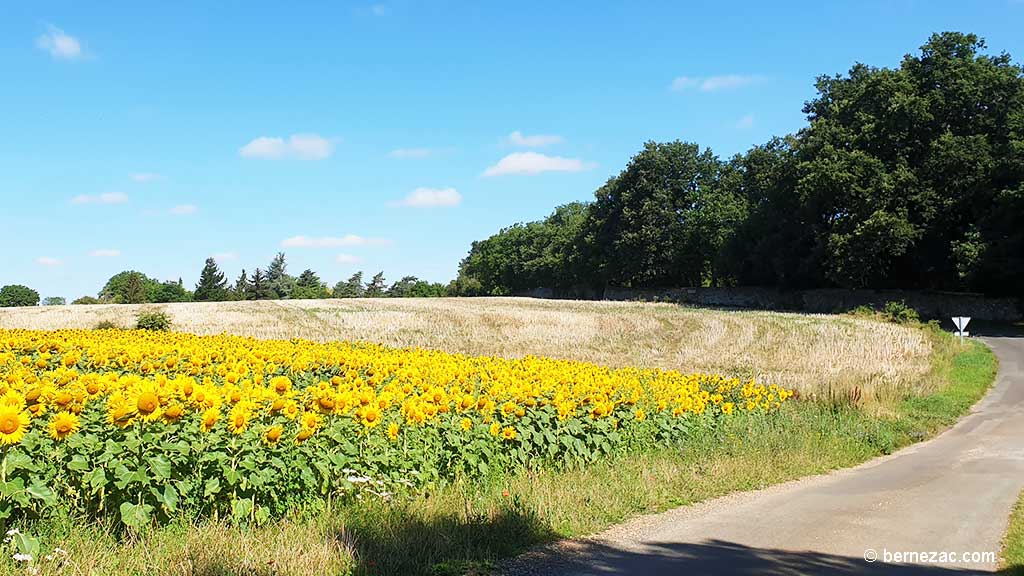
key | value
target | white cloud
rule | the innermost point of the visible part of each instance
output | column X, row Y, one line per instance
column 713, row 83
column 745, row 123
column 48, row 261
column 105, row 253
column 425, row 197
column 517, row 138
column 105, row 198
column 348, row 259
column 379, row 10
column 683, row 82
column 264, row 147
column 332, row 241
column 301, row 146
column 225, row 256
column 145, row 176
column 534, row 163
column 310, row 146
column 184, row 209
column 61, row 46
column 411, row 153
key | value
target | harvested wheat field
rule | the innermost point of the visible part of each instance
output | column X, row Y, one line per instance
column 815, row 354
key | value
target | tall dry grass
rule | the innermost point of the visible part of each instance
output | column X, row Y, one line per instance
column 816, row 354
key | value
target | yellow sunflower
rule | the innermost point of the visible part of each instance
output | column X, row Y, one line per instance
column 13, row 424
column 63, row 424
column 371, row 416
column 273, row 434
column 238, row 419
column 210, row 418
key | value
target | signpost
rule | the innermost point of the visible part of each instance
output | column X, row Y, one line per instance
column 961, row 326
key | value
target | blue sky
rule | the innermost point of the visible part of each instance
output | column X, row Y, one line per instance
column 384, row 136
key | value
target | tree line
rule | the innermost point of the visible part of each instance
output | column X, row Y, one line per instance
column 271, row 283
column 909, row 177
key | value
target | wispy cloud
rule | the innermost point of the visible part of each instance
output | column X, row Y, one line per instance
column 535, row 163
column 105, row 253
column 348, row 259
column 225, row 256
column 745, row 123
column 145, row 176
column 184, row 210
column 411, row 153
column 105, row 198
column 713, row 83
column 517, row 138
column 300, row 146
column 427, row 197
column 48, row 261
column 379, row 10
column 332, row 241
column 60, row 45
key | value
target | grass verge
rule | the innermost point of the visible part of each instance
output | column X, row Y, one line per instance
column 466, row 526
column 1013, row 542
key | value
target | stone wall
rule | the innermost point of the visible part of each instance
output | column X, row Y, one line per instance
column 928, row 304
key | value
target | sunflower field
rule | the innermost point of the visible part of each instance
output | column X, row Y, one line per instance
column 147, row 425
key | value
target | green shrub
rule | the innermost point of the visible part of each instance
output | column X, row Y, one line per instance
column 900, row 313
column 107, row 325
column 863, row 310
column 156, row 321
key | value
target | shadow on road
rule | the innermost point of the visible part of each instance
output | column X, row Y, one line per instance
column 711, row 557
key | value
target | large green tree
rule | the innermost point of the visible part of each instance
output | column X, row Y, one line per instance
column 129, row 287
column 18, row 295
column 664, row 220
column 351, row 288
column 915, row 173
column 377, row 287
column 309, row 286
column 212, row 285
column 279, row 282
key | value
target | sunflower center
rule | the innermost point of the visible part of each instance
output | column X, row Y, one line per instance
column 63, row 427
column 147, row 402
column 9, row 424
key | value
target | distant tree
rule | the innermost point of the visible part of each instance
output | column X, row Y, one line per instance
column 86, row 300
column 240, row 290
column 54, row 301
column 402, row 288
column 212, row 285
column 352, row 288
column 144, row 288
column 309, row 286
column 134, row 290
column 424, row 289
column 18, row 295
column 279, row 282
column 547, row 253
column 259, row 289
column 377, row 287
column 465, row 285
column 171, row 291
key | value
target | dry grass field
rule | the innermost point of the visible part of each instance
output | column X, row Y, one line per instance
column 816, row 354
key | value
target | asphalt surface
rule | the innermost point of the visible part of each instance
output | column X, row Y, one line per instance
column 951, row 494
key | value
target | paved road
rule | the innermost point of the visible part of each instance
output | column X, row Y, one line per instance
column 951, row 494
